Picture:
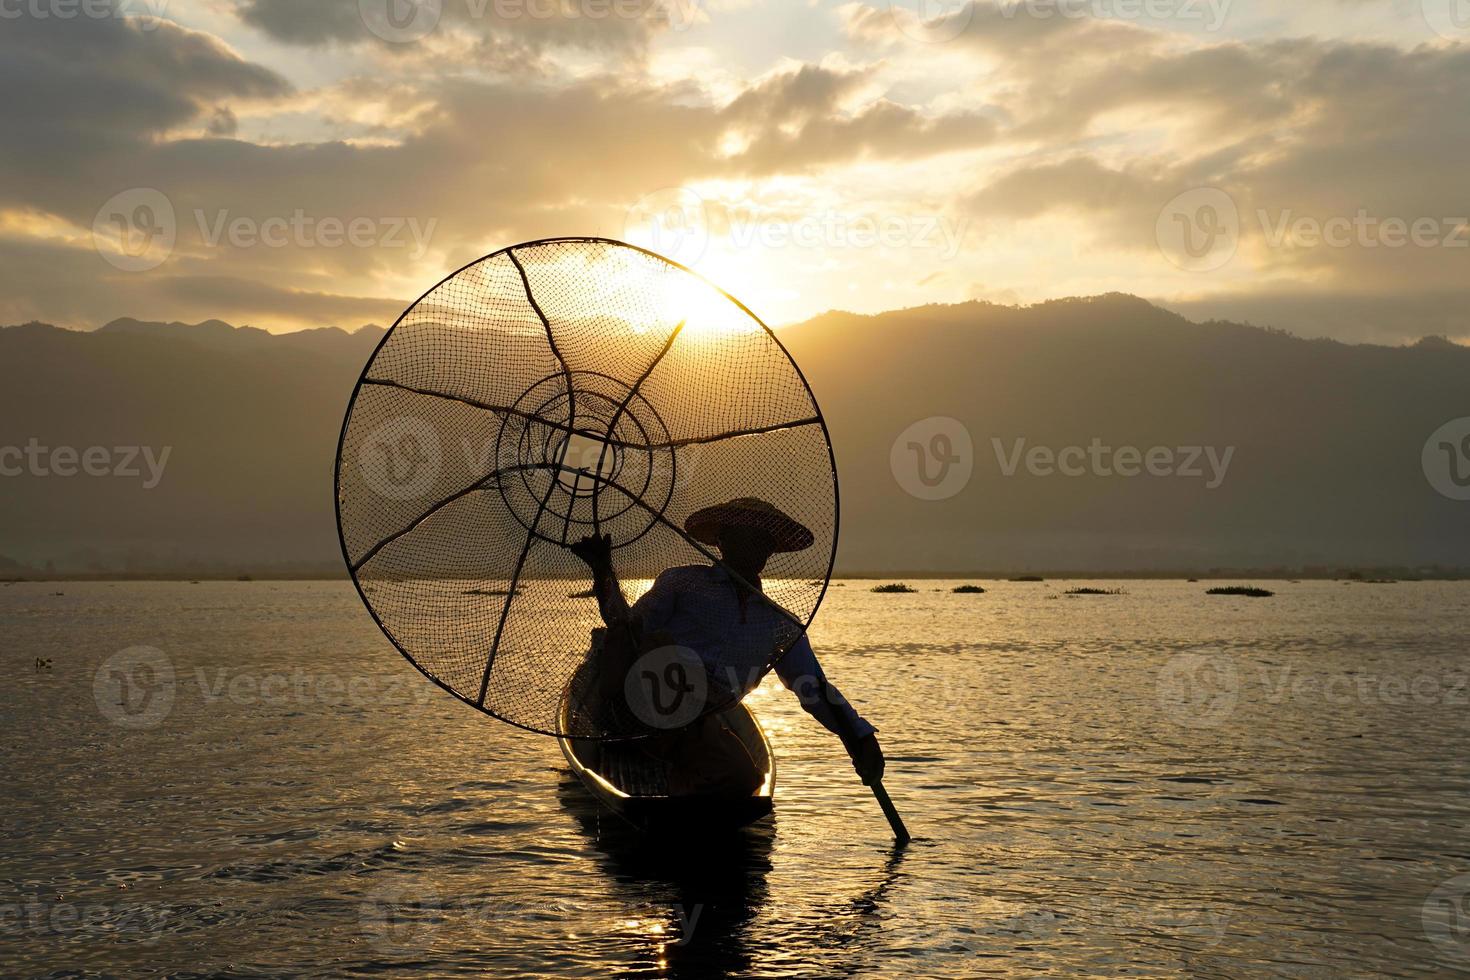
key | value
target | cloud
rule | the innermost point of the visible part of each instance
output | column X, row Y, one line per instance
column 116, row 78
column 1003, row 29
column 506, row 126
column 315, row 23
column 1357, row 140
column 796, row 120
column 71, row 286
column 503, row 30
column 98, row 91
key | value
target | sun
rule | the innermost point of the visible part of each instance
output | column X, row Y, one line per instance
column 706, row 312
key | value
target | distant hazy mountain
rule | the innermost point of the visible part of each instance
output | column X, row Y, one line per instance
column 1308, row 452
column 249, row 421
column 1325, row 439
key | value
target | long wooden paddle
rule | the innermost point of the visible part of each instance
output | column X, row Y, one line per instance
column 849, row 739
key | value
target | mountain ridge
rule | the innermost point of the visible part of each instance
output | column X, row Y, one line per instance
column 1324, row 438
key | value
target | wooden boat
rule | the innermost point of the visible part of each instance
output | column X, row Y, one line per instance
column 635, row 784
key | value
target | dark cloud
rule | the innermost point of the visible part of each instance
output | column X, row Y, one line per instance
column 114, row 75
column 504, row 29
column 1002, row 29
column 317, row 22
column 99, row 91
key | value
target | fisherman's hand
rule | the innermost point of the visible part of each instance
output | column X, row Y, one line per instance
column 595, row 550
column 867, row 759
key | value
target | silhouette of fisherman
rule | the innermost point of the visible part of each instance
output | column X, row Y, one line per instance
column 720, row 613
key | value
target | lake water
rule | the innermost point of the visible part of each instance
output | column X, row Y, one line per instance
column 1145, row 784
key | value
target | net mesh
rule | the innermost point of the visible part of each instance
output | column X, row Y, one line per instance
column 549, row 391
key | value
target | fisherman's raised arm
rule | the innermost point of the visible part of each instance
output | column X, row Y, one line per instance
column 596, row 551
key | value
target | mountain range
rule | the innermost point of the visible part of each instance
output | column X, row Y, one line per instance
column 1088, row 435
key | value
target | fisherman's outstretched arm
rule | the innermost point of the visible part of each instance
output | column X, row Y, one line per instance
column 801, row 673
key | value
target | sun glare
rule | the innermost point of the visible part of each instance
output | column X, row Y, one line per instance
column 707, row 313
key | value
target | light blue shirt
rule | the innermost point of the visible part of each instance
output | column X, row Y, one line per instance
column 700, row 607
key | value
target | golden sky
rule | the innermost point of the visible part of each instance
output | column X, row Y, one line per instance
column 291, row 164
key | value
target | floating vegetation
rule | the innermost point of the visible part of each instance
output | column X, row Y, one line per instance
column 967, row 590
column 1247, row 590
column 1091, row 591
column 894, row 587
column 1028, row 578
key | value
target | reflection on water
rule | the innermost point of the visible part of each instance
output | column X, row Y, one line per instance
column 1154, row 783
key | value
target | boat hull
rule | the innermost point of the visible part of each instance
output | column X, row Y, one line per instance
column 634, row 785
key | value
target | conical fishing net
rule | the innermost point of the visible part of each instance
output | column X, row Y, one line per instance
column 550, row 391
